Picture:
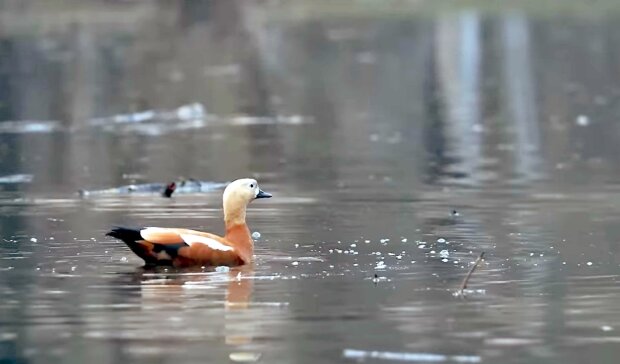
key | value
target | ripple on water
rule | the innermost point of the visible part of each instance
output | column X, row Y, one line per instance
column 409, row 356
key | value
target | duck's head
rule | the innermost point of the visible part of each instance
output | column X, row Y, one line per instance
column 238, row 194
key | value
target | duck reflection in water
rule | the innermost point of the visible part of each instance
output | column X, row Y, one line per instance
column 189, row 302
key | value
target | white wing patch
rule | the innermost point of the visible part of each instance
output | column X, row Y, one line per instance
column 144, row 233
column 211, row 243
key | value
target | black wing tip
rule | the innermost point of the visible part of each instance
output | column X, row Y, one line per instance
column 126, row 234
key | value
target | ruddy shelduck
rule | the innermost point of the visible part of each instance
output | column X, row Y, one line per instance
column 184, row 248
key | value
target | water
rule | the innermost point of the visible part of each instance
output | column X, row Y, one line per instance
column 398, row 145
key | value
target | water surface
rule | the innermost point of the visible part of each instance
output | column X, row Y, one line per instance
column 397, row 145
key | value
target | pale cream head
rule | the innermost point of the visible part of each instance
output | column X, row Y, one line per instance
column 237, row 195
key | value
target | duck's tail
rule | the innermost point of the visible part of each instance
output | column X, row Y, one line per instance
column 135, row 242
column 128, row 235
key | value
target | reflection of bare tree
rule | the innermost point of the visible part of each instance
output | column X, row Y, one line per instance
column 221, row 31
column 434, row 134
column 521, row 95
column 459, row 51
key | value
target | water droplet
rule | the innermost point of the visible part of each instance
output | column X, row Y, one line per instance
column 295, row 263
column 123, row 259
column 589, row 263
column 582, row 120
column 244, row 357
column 256, row 235
column 441, row 240
column 34, row 240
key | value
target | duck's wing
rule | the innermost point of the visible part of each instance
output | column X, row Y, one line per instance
column 156, row 246
column 190, row 247
column 171, row 235
column 208, row 250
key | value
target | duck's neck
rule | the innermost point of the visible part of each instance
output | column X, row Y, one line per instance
column 234, row 214
column 237, row 231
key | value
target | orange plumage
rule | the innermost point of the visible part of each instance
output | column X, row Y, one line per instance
column 185, row 247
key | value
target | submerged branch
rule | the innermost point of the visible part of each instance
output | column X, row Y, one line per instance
column 471, row 271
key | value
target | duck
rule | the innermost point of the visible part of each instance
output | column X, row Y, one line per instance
column 179, row 247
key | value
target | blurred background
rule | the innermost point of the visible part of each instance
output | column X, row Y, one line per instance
column 400, row 138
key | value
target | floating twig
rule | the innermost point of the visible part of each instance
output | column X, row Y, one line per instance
column 471, row 271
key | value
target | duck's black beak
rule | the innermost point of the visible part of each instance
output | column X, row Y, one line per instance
column 263, row 194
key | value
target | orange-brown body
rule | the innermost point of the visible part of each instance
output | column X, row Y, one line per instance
column 184, row 247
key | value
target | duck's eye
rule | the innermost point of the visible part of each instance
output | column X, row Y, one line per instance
column 251, row 185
